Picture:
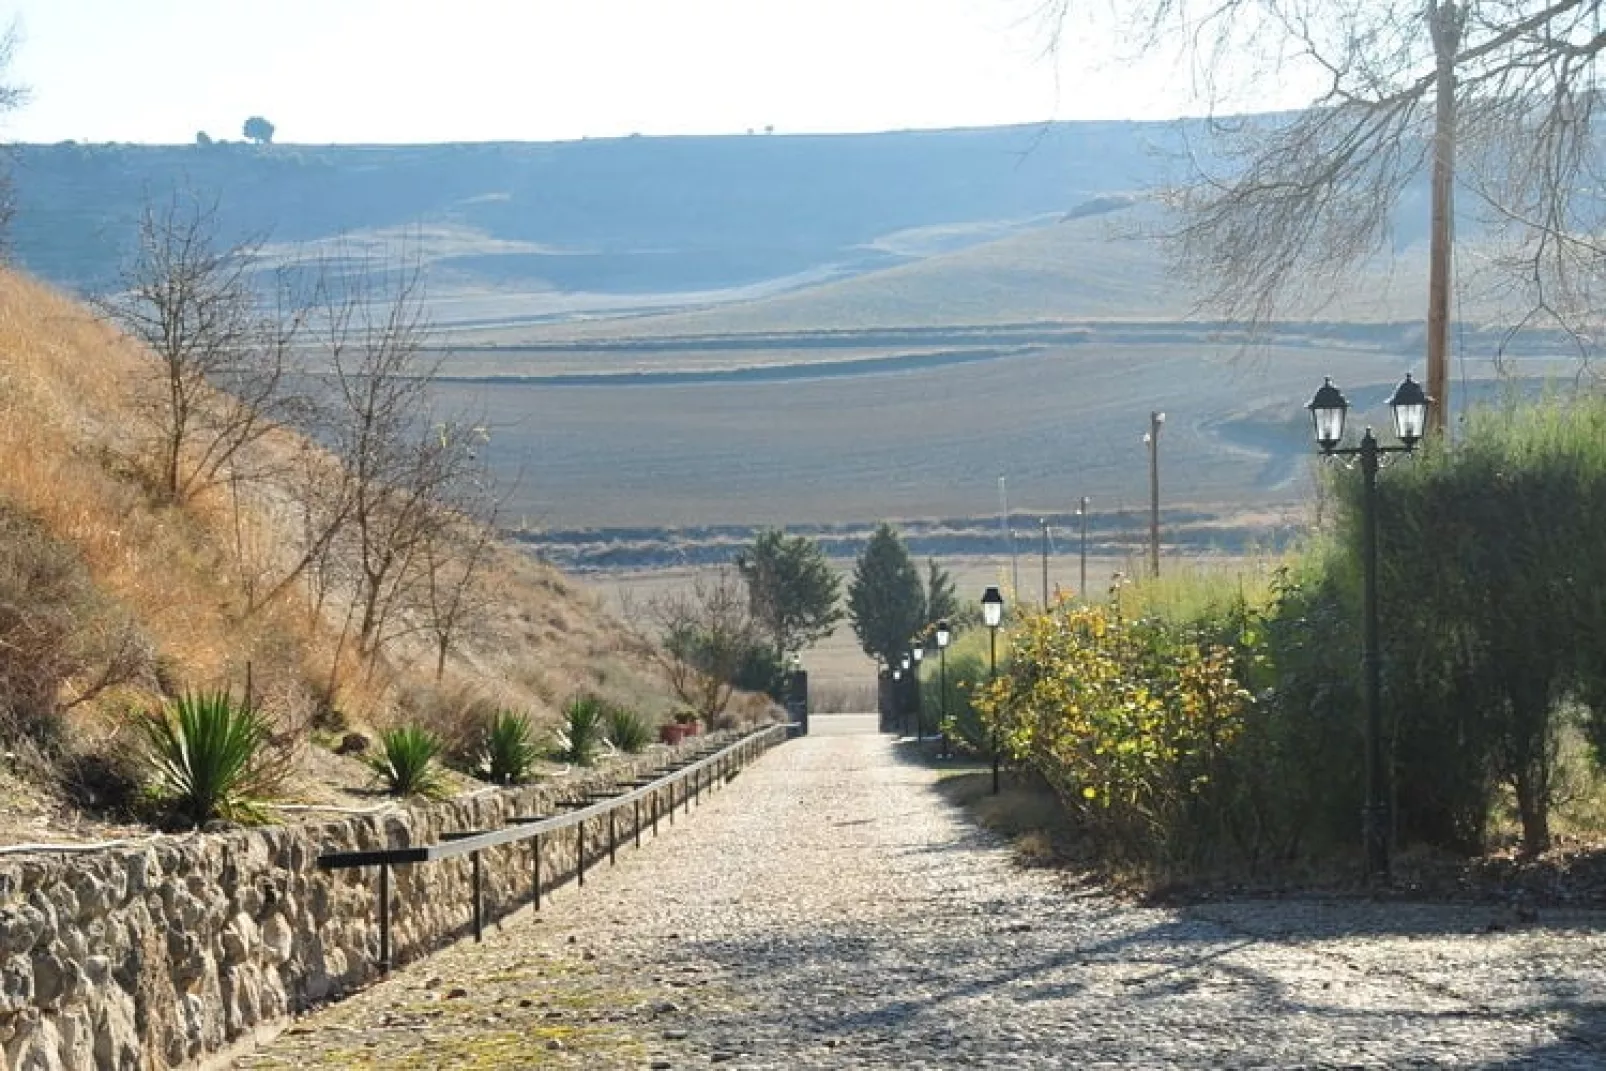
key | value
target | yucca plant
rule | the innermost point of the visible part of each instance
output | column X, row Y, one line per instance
column 209, row 758
column 509, row 750
column 581, row 734
column 406, row 762
column 627, row 729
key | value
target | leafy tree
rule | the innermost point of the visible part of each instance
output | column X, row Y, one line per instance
column 259, row 130
column 203, row 139
column 791, row 588
column 941, row 602
column 885, row 600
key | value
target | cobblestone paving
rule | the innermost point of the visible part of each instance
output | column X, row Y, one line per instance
column 829, row 910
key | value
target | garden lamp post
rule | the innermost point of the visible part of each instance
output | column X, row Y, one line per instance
column 992, row 615
column 943, row 636
column 903, row 697
column 1328, row 409
column 1151, row 439
column 917, row 652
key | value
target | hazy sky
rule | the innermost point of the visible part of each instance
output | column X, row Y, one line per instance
column 447, row 70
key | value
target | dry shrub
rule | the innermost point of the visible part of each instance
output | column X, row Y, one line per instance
column 456, row 715
column 55, row 630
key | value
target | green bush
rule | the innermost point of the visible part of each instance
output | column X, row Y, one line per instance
column 627, row 729
column 407, row 764
column 966, row 673
column 1129, row 721
column 583, row 730
column 509, row 750
column 209, row 759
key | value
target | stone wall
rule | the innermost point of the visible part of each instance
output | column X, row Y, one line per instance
column 160, row 955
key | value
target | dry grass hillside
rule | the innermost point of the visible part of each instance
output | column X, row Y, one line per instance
column 117, row 600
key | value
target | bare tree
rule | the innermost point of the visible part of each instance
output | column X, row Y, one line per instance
column 699, row 636
column 13, row 95
column 223, row 362
column 408, row 469
column 456, row 557
column 1494, row 97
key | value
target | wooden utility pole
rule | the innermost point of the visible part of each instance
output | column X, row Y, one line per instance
column 1444, row 20
column 1152, row 439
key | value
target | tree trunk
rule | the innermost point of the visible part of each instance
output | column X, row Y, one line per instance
column 1533, row 806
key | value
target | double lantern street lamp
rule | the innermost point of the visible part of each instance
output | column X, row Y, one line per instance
column 1409, row 405
column 992, row 615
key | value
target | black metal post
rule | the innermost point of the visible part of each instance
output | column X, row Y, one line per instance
column 920, row 700
column 536, row 864
column 479, row 898
column 655, row 793
column 580, row 852
column 613, row 836
column 1375, row 818
column 384, row 918
column 992, row 674
column 636, row 825
column 942, row 696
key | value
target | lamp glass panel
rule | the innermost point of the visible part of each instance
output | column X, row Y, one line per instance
column 1329, row 424
column 1410, row 421
column 992, row 608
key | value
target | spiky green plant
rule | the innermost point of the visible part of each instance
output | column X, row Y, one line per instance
column 581, row 734
column 406, row 762
column 509, row 749
column 208, row 757
column 627, row 729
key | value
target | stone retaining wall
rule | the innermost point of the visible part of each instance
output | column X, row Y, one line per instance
column 158, row 956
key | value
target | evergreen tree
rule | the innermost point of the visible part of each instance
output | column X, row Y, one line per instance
column 941, row 602
column 885, row 600
column 791, row 588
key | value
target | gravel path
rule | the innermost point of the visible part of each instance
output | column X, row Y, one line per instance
column 829, row 910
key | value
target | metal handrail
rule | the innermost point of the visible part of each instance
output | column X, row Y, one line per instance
column 473, row 842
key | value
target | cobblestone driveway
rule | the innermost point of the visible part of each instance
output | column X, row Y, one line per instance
column 829, row 910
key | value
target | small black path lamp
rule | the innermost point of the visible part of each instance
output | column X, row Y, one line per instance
column 1409, row 405
column 903, row 695
column 917, row 652
column 943, row 636
column 992, row 615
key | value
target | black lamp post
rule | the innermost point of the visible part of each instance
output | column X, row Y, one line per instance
column 903, row 693
column 992, row 615
column 917, row 652
column 897, row 696
column 1328, row 409
column 943, row 636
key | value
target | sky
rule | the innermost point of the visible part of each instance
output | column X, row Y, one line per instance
column 390, row 71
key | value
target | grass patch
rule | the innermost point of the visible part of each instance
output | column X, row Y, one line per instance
column 1026, row 813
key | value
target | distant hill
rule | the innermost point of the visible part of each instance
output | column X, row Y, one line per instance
column 626, row 215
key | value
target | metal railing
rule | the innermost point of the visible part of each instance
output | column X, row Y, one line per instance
column 702, row 771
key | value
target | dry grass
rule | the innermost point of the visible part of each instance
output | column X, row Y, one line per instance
column 70, row 444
